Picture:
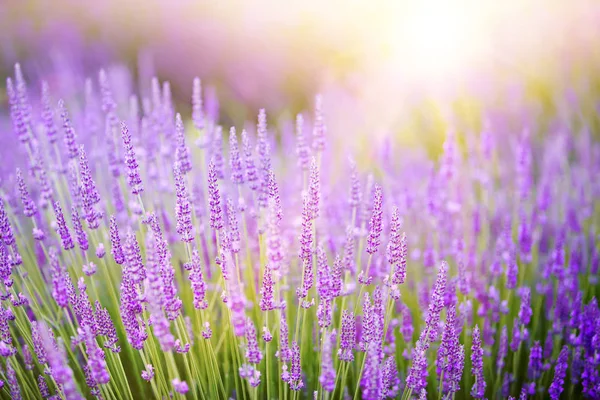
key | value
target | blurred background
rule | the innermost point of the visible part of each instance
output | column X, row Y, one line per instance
column 407, row 67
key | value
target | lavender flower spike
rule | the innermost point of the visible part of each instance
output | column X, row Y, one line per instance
column 478, row 390
column 133, row 170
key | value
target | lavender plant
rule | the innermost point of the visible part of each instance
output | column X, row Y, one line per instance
column 136, row 265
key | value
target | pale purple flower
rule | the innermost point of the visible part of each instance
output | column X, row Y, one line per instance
column 182, row 152
column 253, row 353
column 295, row 379
column 560, row 372
column 348, row 335
column 216, row 218
column 235, row 160
column 133, row 170
column 478, row 390
column 63, row 230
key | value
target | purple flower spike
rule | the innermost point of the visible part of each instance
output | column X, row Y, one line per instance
column 115, row 242
column 18, row 120
column 48, row 114
column 525, row 310
column 13, row 383
column 63, row 230
column 478, row 390
column 183, row 209
column 284, row 353
column 96, row 363
column 59, row 367
column 314, row 190
column 295, row 379
column 154, row 296
column 29, row 207
column 70, row 136
column 348, row 336
column 89, row 192
column 43, row 386
column 251, row 171
column 133, row 170
column 182, row 153
column 267, row 301
column 216, row 218
column 375, row 225
column 217, row 153
column 80, row 234
column 180, row 386
column 235, row 160
column 437, row 302
column 197, row 281
column 560, row 372
column 133, row 259
column 302, row 148
column 327, row 377
column 253, row 354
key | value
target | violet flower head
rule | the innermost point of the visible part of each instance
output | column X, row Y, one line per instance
column 302, row 148
column 180, row 386
column 217, row 152
column 314, row 190
column 267, row 300
column 295, row 379
column 96, row 363
column 29, row 207
column 306, row 235
column 437, row 302
column 43, row 386
column 18, row 120
column 148, row 373
column 251, row 171
column 48, row 114
column 284, row 352
column 253, row 353
column 80, row 234
column 535, row 361
column 502, row 349
column 133, row 170
column 70, row 136
column 63, row 230
column 525, row 310
column 154, row 296
column 197, row 282
column 60, row 279
column 182, row 152
column 115, row 242
column 216, row 217
column 183, row 208
column 560, row 372
column 348, row 336
column 59, row 367
column 327, row 377
column 38, row 345
column 354, row 198
column 133, row 258
column 13, row 383
column 375, row 225
column 235, row 160
column 478, row 390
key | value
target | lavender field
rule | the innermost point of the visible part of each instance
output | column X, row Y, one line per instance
column 150, row 254
column 193, row 210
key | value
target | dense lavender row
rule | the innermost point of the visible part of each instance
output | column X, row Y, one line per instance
column 143, row 258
